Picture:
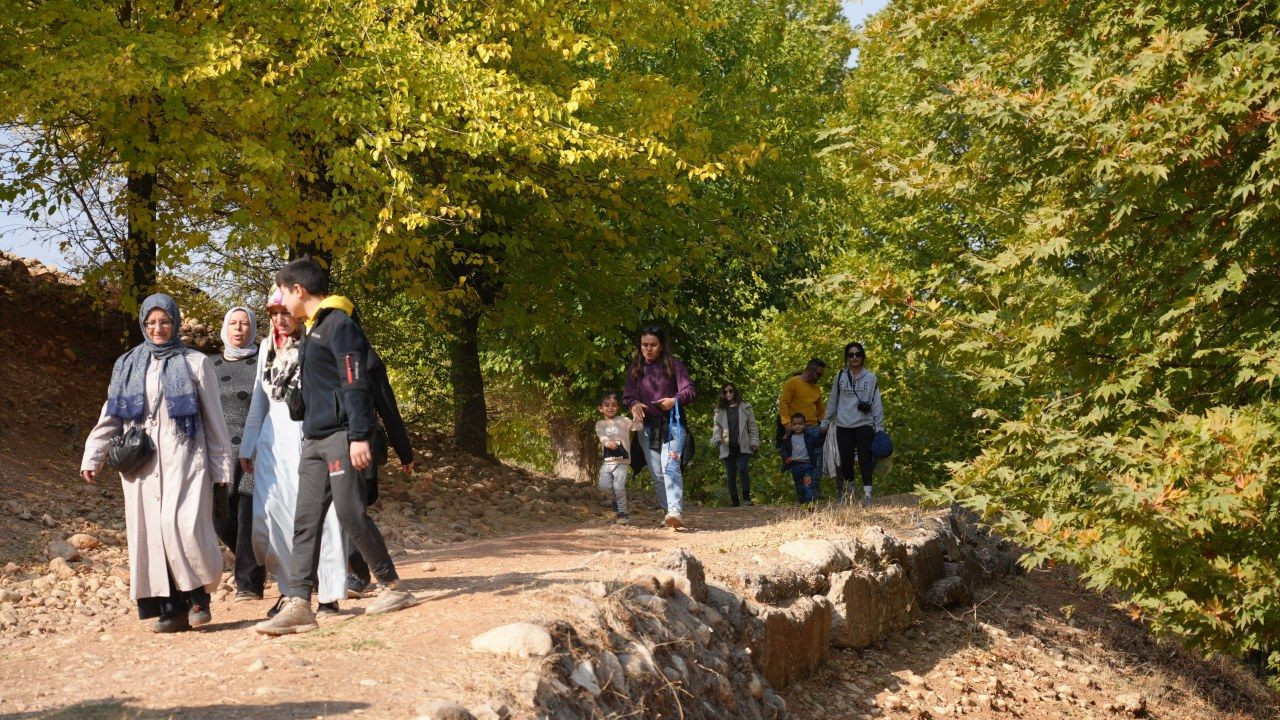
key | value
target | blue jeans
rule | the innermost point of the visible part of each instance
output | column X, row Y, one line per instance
column 804, row 493
column 813, row 434
column 735, row 467
column 668, row 480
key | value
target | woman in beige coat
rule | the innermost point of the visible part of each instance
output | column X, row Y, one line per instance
column 738, row 436
column 174, row 560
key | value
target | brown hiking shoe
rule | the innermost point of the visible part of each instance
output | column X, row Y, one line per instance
column 295, row 616
column 390, row 600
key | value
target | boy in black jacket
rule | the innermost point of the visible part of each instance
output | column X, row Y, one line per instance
column 337, row 429
column 798, row 449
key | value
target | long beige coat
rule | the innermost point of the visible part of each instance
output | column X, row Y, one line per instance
column 748, row 430
column 168, row 503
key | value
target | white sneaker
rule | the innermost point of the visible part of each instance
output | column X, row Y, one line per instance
column 295, row 616
column 390, row 600
column 673, row 521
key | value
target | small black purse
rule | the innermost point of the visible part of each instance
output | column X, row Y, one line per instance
column 132, row 449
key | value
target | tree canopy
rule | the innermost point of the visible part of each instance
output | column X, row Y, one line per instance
column 1079, row 206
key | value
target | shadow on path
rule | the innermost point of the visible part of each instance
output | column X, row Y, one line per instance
column 121, row 709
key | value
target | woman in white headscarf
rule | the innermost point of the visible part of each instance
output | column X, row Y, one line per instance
column 236, row 369
column 271, row 450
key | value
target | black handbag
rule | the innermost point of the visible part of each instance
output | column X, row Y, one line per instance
column 132, row 449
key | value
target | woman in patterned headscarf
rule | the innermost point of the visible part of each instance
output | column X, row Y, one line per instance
column 172, row 392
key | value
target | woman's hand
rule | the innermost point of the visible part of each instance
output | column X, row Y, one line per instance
column 246, row 465
column 88, row 475
column 667, row 403
column 637, row 412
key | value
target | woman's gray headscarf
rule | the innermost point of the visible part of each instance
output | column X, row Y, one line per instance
column 234, row 353
column 127, row 393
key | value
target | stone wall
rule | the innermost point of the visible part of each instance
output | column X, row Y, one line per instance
column 663, row 642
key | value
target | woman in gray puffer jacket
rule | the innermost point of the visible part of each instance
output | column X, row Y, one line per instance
column 855, row 409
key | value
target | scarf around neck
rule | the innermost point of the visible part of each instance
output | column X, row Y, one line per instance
column 281, row 371
column 234, row 353
column 127, row 393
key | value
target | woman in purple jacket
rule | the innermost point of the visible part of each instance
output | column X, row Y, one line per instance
column 655, row 381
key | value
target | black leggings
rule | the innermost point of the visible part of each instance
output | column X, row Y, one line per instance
column 178, row 601
column 236, row 532
column 850, row 442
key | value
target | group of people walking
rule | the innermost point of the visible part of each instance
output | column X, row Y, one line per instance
column 657, row 385
column 273, row 448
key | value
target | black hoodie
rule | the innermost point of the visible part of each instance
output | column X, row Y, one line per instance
column 336, row 387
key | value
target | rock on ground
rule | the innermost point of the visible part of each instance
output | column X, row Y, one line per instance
column 444, row 710
column 63, row 549
column 822, row 554
column 521, row 639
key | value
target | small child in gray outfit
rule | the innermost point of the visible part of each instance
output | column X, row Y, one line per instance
column 614, row 432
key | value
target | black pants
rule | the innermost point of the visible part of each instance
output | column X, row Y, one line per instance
column 237, row 533
column 355, row 561
column 736, row 468
column 178, row 601
column 325, row 476
column 854, row 442
column 357, row 566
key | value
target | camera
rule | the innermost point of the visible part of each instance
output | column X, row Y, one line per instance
column 864, row 406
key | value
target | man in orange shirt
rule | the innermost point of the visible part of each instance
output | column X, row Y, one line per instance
column 802, row 394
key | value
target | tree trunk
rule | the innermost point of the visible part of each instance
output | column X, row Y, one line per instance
column 317, row 196
column 139, row 247
column 470, row 420
column 139, row 251
column 577, row 450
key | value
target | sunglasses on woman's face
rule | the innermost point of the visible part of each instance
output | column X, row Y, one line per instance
column 855, row 354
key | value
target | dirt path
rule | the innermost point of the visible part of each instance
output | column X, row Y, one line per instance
column 354, row 665
column 390, row 666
